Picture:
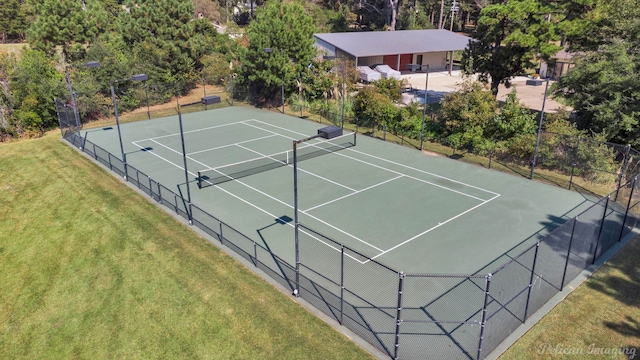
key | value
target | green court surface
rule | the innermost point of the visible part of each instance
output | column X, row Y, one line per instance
column 412, row 211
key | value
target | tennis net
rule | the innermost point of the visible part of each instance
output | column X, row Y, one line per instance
column 218, row 175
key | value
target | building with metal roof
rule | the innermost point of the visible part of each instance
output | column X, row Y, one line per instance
column 395, row 48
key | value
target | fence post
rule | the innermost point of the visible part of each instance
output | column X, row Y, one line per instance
column 566, row 264
column 398, row 315
column 255, row 253
column 384, row 132
column 84, row 141
column 95, row 154
column 533, row 271
column 626, row 213
column 221, row 236
column 625, row 163
column 159, row 193
column 483, row 320
column 175, row 203
column 341, row 282
column 150, row 187
column 604, row 215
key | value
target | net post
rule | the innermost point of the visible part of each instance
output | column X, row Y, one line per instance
column 604, row 215
column 566, row 264
column 199, row 180
column 396, row 349
column 533, row 272
column 483, row 320
column 626, row 212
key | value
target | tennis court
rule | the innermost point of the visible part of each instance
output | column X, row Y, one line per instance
column 410, row 210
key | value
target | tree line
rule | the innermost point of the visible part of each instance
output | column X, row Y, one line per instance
column 177, row 42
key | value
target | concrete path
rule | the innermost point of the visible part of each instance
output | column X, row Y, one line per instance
column 441, row 83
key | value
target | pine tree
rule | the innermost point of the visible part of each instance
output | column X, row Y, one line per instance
column 162, row 37
column 288, row 31
column 509, row 38
column 60, row 23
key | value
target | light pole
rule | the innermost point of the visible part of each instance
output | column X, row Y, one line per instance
column 535, row 152
column 207, row 100
column 137, row 77
column 90, row 65
column 269, row 51
column 414, row 67
column 344, row 71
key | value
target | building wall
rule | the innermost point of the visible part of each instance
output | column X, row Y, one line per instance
column 325, row 48
column 435, row 60
column 370, row 60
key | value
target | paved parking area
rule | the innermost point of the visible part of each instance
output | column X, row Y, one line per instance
column 441, row 83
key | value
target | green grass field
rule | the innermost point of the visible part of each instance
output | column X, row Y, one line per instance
column 91, row 269
column 601, row 314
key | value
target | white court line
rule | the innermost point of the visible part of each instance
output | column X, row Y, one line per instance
column 257, row 207
column 301, row 170
column 321, row 221
column 265, row 194
column 357, row 191
column 230, row 145
column 433, row 228
column 160, row 157
column 197, row 130
column 399, row 173
column 383, row 159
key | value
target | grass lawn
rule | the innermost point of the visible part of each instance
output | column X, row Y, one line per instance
column 91, row 269
column 12, row 48
column 602, row 314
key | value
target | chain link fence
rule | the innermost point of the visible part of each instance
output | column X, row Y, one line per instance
column 425, row 316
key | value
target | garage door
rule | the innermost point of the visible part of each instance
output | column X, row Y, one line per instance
column 404, row 60
column 391, row 60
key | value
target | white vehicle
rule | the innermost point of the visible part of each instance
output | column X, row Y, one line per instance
column 367, row 74
column 387, row 72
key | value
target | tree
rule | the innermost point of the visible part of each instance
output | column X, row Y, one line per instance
column 207, row 9
column 163, row 40
column 466, row 114
column 286, row 29
column 60, row 23
column 604, row 90
column 604, row 85
column 34, row 83
column 12, row 20
column 509, row 37
column 372, row 108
